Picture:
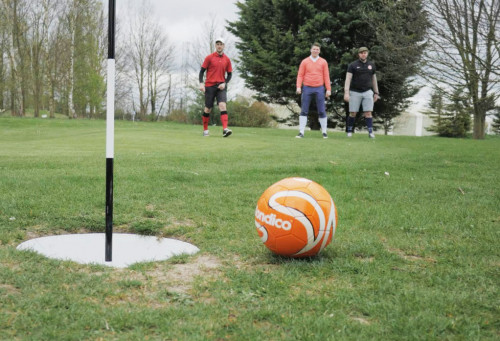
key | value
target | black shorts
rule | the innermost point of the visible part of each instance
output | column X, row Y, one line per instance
column 212, row 92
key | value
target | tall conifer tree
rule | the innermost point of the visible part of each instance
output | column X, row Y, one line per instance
column 275, row 35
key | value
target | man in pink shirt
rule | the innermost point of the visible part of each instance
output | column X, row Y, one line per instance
column 313, row 79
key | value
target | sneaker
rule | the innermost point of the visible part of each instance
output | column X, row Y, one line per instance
column 349, row 134
column 226, row 132
column 300, row 136
column 206, row 133
column 325, row 136
column 371, row 135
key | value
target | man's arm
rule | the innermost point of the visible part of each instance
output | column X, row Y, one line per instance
column 375, row 87
column 347, row 85
column 326, row 78
column 200, row 78
column 202, row 72
column 300, row 77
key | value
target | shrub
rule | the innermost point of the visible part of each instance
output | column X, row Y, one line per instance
column 241, row 114
column 178, row 115
column 244, row 114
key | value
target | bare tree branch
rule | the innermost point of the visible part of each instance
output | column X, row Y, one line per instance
column 463, row 50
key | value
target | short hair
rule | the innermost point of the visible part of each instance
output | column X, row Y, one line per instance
column 316, row 44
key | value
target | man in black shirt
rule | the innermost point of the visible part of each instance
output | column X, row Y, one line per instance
column 361, row 89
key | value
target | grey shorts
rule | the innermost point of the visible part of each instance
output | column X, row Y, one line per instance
column 358, row 99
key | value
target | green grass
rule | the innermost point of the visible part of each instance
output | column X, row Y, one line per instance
column 415, row 255
column 30, row 113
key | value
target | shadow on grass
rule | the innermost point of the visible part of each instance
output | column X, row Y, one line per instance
column 277, row 259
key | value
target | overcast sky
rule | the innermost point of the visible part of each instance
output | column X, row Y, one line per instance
column 183, row 19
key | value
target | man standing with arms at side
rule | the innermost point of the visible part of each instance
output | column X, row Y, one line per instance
column 217, row 65
column 361, row 88
column 312, row 80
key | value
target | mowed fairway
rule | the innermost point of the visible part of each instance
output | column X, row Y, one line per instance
column 415, row 255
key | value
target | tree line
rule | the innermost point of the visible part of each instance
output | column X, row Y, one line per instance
column 54, row 53
column 54, row 61
column 52, row 56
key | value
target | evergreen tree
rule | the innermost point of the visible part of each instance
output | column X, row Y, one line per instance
column 452, row 118
column 275, row 35
column 496, row 121
column 397, row 48
column 436, row 108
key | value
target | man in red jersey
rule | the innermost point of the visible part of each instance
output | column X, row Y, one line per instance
column 217, row 66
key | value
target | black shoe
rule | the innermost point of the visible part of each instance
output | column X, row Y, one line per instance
column 300, row 136
column 325, row 136
column 226, row 132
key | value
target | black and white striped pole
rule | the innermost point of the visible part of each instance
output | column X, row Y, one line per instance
column 110, row 130
column 81, row 247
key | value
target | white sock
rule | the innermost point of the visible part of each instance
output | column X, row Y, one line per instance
column 302, row 124
column 324, row 123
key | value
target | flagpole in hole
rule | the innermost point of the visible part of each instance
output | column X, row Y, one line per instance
column 129, row 248
column 110, row 127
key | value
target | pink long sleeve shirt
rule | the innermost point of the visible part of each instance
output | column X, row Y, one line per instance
column 314, row 73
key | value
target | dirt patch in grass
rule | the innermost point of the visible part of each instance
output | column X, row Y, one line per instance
column 361, row 320
column 411, row 257
column 185, row 222
column 8, row 289
column 179, row 277
column 163, row 283
column 364, row 259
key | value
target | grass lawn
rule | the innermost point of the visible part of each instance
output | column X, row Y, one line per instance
column 415, row 255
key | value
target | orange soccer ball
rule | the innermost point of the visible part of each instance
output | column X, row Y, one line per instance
column 296, row 217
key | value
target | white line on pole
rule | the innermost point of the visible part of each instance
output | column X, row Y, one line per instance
column 110, row 110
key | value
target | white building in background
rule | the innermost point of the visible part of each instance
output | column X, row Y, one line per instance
column 412, row 123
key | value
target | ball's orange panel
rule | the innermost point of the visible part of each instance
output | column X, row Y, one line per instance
column 288, row 245
column 295, row 213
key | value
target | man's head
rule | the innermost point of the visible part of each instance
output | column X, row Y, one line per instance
column 363, row 53
column 315, row 50
column 219, row 45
